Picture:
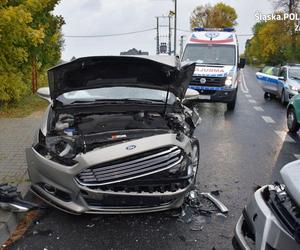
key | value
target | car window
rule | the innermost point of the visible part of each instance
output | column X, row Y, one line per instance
column 273, row 71
column 283, row 72
column 294, row 73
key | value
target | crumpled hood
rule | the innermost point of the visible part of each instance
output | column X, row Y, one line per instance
column 290, row 174
column 213, row 71
column 162, row 73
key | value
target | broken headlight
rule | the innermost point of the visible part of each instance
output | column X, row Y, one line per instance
column 62, row 147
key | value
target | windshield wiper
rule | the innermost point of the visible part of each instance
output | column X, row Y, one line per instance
column 113, row 101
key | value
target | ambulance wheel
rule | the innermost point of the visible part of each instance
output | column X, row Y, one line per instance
column 231, row 105
column 292, row 123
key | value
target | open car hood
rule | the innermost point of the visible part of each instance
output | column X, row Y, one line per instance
column 290, row 174
column 157, row 72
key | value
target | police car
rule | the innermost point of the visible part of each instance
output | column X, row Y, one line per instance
column 281, row 82
column 216, row 53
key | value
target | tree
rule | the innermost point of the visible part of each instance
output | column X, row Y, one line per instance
column 30, row 39
column 290, row 7
column 217, row 16
column 270, row 43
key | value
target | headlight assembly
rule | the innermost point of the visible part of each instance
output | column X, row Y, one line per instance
column 294, row 88
column 229, row 79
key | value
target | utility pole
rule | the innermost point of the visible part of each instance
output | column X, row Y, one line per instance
column 175, row 27
column 181, row 44
column 170, row 35
column 157, row 35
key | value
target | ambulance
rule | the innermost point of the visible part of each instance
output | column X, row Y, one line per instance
column 216, row 53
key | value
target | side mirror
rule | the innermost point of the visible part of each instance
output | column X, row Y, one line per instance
column 44, row 93
column 242, row 63
column 281, row 78
column 191, row 94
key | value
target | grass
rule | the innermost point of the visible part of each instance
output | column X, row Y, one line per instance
column 26, row 106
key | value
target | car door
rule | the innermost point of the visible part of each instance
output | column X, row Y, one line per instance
column 268, row 78
column 282, row 83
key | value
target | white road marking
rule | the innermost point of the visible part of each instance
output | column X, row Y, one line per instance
column 284, row 136
column 244, row 84
column 252, row 101
column 297, row 156
column 258, row 108
column 268, row 119
column 248, row 96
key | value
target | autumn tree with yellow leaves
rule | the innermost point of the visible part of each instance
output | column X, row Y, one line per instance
column 217, row 16
column 30, row 41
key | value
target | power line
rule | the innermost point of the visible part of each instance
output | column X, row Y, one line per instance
column 135, row 32
column 110, row 35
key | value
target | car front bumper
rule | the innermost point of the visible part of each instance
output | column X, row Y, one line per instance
column 258, row 220
column 57, row 185
column 289, row 94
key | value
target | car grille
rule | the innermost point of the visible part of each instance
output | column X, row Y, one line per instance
column 210, row 81
column 285, row 210
column 131, row 167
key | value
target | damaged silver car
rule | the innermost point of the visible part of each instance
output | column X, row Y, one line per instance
column 116, row 137
column 272, row 218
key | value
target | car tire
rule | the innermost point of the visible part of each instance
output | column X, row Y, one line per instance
column 282, row 98
column 267, row 95
column 195, row 158
column 292, row 124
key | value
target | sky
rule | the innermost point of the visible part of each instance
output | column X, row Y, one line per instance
column 104, row 17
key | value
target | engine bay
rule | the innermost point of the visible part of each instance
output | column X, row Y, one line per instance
column 71, row 134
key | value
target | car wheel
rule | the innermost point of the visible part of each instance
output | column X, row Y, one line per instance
column 282, row 98
column 267, row 95
column 292, row 123
column 195, row 158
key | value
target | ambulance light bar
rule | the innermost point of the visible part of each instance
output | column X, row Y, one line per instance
column 215, row 29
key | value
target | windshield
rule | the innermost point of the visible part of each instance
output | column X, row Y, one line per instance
column 294, row 73
column 116, row 93
column 210, row 54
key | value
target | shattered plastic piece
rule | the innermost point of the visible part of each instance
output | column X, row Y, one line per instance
column 193, row 194
column 187, row 215
column 218, row 203
column 221, row 215
column 90, row 225
column 215, row 192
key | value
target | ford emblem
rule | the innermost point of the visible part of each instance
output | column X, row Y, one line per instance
column 130, row 147
column 202, row 80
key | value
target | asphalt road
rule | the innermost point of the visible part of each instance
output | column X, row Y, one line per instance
column 239, row 150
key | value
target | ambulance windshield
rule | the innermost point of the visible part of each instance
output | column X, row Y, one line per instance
column 210, row 54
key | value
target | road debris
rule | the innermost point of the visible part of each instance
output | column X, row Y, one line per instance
column 90, row 225
column 217, row 203
column 10, row 199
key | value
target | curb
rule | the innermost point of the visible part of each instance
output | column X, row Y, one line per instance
column 10, row 220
